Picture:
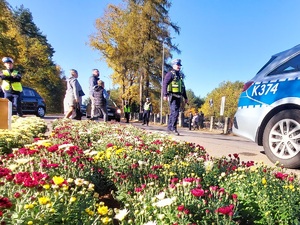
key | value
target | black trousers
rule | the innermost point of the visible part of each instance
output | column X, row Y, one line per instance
column 15, row 99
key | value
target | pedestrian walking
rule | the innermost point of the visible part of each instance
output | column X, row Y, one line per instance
column 147, row 110
column 92, row 83
column 101, row 96
column 173, row 91
column 73, row 97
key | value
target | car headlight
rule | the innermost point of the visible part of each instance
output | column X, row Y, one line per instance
column 119, row 111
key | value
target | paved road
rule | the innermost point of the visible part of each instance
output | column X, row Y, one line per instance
column 218, row 144
column 215, row 143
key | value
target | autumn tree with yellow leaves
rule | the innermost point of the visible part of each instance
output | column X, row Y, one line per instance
column 130, row 40
column 22, row 40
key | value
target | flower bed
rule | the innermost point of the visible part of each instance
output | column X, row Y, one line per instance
column 153, row 179
column 23, row 131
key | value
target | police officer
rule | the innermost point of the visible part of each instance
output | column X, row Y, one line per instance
column 11, row 84
column 127, row 111
column 173, row 90
column 147, row 111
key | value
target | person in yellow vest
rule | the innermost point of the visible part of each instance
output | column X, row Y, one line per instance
column 127, row 111
column 173, row 91
column 11, row 84
column 147, row 111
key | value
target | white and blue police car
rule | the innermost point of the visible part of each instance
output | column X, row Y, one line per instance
column 269, row 108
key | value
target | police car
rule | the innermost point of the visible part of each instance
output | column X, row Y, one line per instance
column 269, row 108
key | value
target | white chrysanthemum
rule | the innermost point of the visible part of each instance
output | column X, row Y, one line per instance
column 12, row 167
column 161, row 195
column 208, row 165
column 121, row 214
column 79, row 181
column 161, row 216
column 151, row 223
column 164, row 202
column 24, row 160
column 65, row 146
column 141, row 163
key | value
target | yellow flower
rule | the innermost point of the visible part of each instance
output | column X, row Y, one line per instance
column 52, row 210
column 106, row 220
column 89, row 211
column 264, row 181
column 172, row 174
column 291, row 187
column 65, row 188
column 108, row 153
column 102, row 210
column 119, row 151
column 58, row 180
column 44, row 200
column 46, row 186
column 72, row 199
column 30, row 222
column 28, row 206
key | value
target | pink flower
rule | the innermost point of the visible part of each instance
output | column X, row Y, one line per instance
column 226, row 210
column 109, row 145
column 180, row 208
column 17, row 195
column 4, row 172
column 197, row 192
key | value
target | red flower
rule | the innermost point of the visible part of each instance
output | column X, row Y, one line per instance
column 17, row 195
column 109, row 145
column 4, row 172
column 153, row 176
column 226, row 210
column 53, row 148
column 281, row 176
column 174, row 180
column 197, row 192
column 234, row 196
column 5, row 203
column 186, row 211
column 189, row 179
column 180, row 208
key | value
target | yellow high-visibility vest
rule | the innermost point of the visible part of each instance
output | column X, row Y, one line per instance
column 6, row 85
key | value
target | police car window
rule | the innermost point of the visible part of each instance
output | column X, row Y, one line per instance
column 293, row 65
column 270, row 60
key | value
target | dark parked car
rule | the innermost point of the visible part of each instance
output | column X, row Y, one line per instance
column 114, row 113
column 32, row 102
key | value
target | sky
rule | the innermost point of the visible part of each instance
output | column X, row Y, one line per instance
column 220, row 40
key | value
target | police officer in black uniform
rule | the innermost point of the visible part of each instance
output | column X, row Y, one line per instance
column 173, row 90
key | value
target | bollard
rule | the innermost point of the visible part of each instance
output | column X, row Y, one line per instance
column 211, row 123
column 5, row 113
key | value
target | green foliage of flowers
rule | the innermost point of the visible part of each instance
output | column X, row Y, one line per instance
column 156, row 180
column 22, row 132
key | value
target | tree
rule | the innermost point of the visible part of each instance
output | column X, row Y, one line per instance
column 194, row 102
column 22, row 40
column 130, row 40
column 231, row 91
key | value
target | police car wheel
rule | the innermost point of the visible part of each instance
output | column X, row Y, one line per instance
column 281, row 138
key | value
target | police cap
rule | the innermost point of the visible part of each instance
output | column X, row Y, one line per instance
column 7, row 60
column 176, row 62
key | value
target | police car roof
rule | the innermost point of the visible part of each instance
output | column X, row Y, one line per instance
column 278, row 59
